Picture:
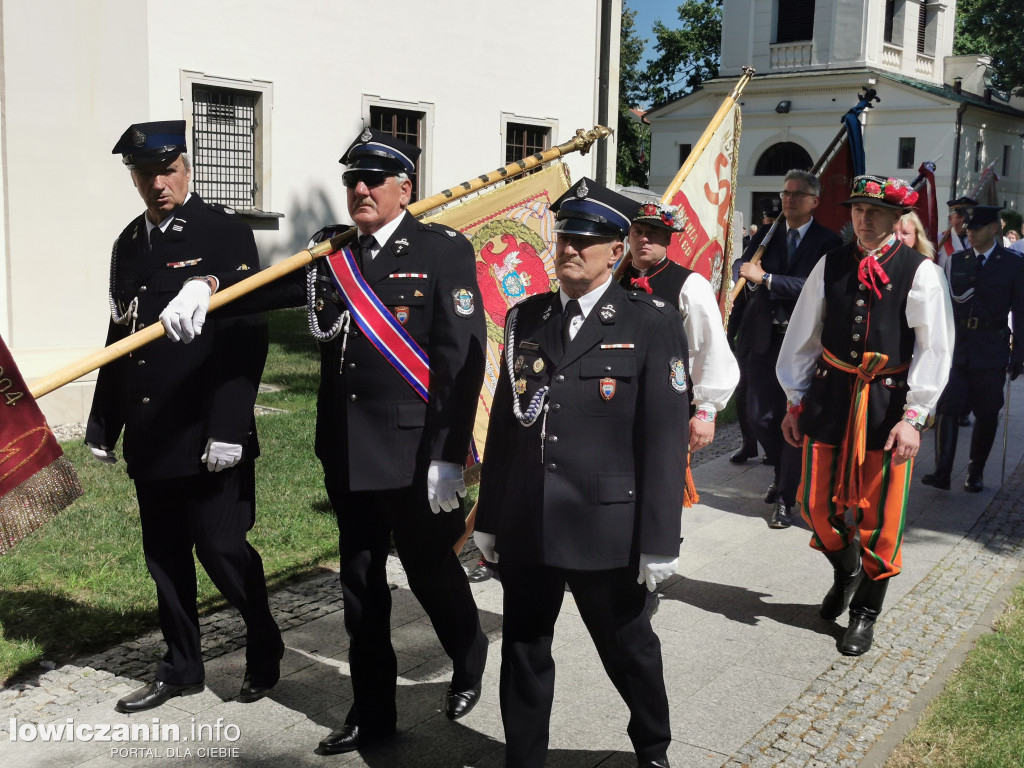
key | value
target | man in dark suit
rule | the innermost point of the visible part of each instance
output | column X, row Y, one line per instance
column 394, row 424
column 582, row 483
column 770, row 295
column 986, row 282
column 187, row 414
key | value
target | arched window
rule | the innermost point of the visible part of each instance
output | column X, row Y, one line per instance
column 781, row 158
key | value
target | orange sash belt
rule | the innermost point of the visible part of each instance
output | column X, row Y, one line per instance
column 854, row 448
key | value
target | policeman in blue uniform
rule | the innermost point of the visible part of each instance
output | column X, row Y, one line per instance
column 583, row 476
column 187, row 414
column 986, row 282
column 393, row 459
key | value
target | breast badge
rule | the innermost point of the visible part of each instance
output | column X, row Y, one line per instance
column 462, row 298
column 519, row 363
column 520, row 386
column 607, row 388
column 402, row 314
column 538, row 365
column 607, row 313
column 677, row 375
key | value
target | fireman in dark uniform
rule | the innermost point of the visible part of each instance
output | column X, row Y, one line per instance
column 583, row 478
column 987, row 285
column 393, row 448
column 187, row 414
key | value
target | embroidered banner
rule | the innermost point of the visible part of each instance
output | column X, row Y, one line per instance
column 382, row 329
column 36, row 479
column 706, row 200
column 512, row 231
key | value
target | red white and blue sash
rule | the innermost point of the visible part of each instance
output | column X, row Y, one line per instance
column 380, row 326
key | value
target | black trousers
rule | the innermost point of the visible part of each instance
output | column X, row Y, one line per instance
column 423, row 540
column 612, row 605
column 977, row 389
column 766, row 408
column 211, row 512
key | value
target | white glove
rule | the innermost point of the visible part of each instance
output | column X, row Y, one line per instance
column 101, row 453
column 220, row 455
column 444, row 483
column 184, row 316
column 485, row 543
column 655, row 569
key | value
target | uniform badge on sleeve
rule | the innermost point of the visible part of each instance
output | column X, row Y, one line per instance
column 462, row 298
column 402, row 315
column 607, row 313
column 607, row 388
column 677, row 375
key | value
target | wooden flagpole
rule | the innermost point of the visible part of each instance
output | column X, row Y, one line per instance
column 581, row 143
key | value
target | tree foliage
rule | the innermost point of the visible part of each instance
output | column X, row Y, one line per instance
column 633, row 137
column 687, row 55
column 993, row 27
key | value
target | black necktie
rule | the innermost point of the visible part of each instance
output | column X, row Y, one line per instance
column 792, row 243
column 156, row 237
column 572, row 310
column 365, row 253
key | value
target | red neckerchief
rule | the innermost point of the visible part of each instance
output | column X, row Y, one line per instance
column 869, row 271
column 644, row 283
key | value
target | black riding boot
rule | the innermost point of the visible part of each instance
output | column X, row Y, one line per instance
column 846, row 573
column 982, row 437
column 946, row 432
column 864, row 609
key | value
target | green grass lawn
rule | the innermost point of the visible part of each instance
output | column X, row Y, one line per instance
column 80, row 583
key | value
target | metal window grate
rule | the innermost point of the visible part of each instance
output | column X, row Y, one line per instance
column 403, row 124
column 223, row 146
column 523, row 140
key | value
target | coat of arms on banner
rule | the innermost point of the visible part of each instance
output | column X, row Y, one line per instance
column 512, row 231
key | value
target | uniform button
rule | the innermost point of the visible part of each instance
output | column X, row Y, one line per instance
column 862, row 287
column 856, row 337
column 145, row 400
column 401, row 297
column 141, row 362
column 629, row 493
column 143, row 289
column 552, row 438
column 552, row 467
column 860, row 302
column 607, row 368
column 853, row 354
column 858, row 319
column 140, row 326
column 560, row 378
column 556, row 406
column 352, row 398
column 888, row 381
column 351, row 366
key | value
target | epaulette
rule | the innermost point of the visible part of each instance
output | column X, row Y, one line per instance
column 221, row 209
column 440, row 229
column 649, row 300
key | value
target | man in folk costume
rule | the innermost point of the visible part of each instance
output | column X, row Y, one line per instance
column 714, row 372
column 986, row 282
column 582, row 479
column 866, row 357
column 402, row 340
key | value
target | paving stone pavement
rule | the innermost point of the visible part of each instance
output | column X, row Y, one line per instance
column 753, row 674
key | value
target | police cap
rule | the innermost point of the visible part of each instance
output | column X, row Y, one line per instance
column 591, row 209
column 376, row 150
column 148, row 144
column 982, row 215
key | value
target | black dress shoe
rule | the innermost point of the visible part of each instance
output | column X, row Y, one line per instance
column 973, row 484
column 153, row 695
column 663, row 763
column 349, row 738
column 744, row 453
column 772, row 494
column 938, row 480
column 256, row 685
column 458, row 704
column 780, row 516
column 859, row 635
column 484, row 571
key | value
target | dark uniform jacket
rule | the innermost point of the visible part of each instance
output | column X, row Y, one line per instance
column 599, row 479
column 170, row 398
column 856, row 321
column 762, row 308
column 982, row 332
column 372, row 427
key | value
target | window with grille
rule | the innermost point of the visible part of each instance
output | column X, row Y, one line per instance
column 523, row 140
column 795, row 21
column 908, row 144
column 404, row 124
column 779, row 159
column 224, row 128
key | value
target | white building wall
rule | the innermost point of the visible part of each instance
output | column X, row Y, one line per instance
column 110, row 63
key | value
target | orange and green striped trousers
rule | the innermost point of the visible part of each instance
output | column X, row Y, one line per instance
column 880, row 522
